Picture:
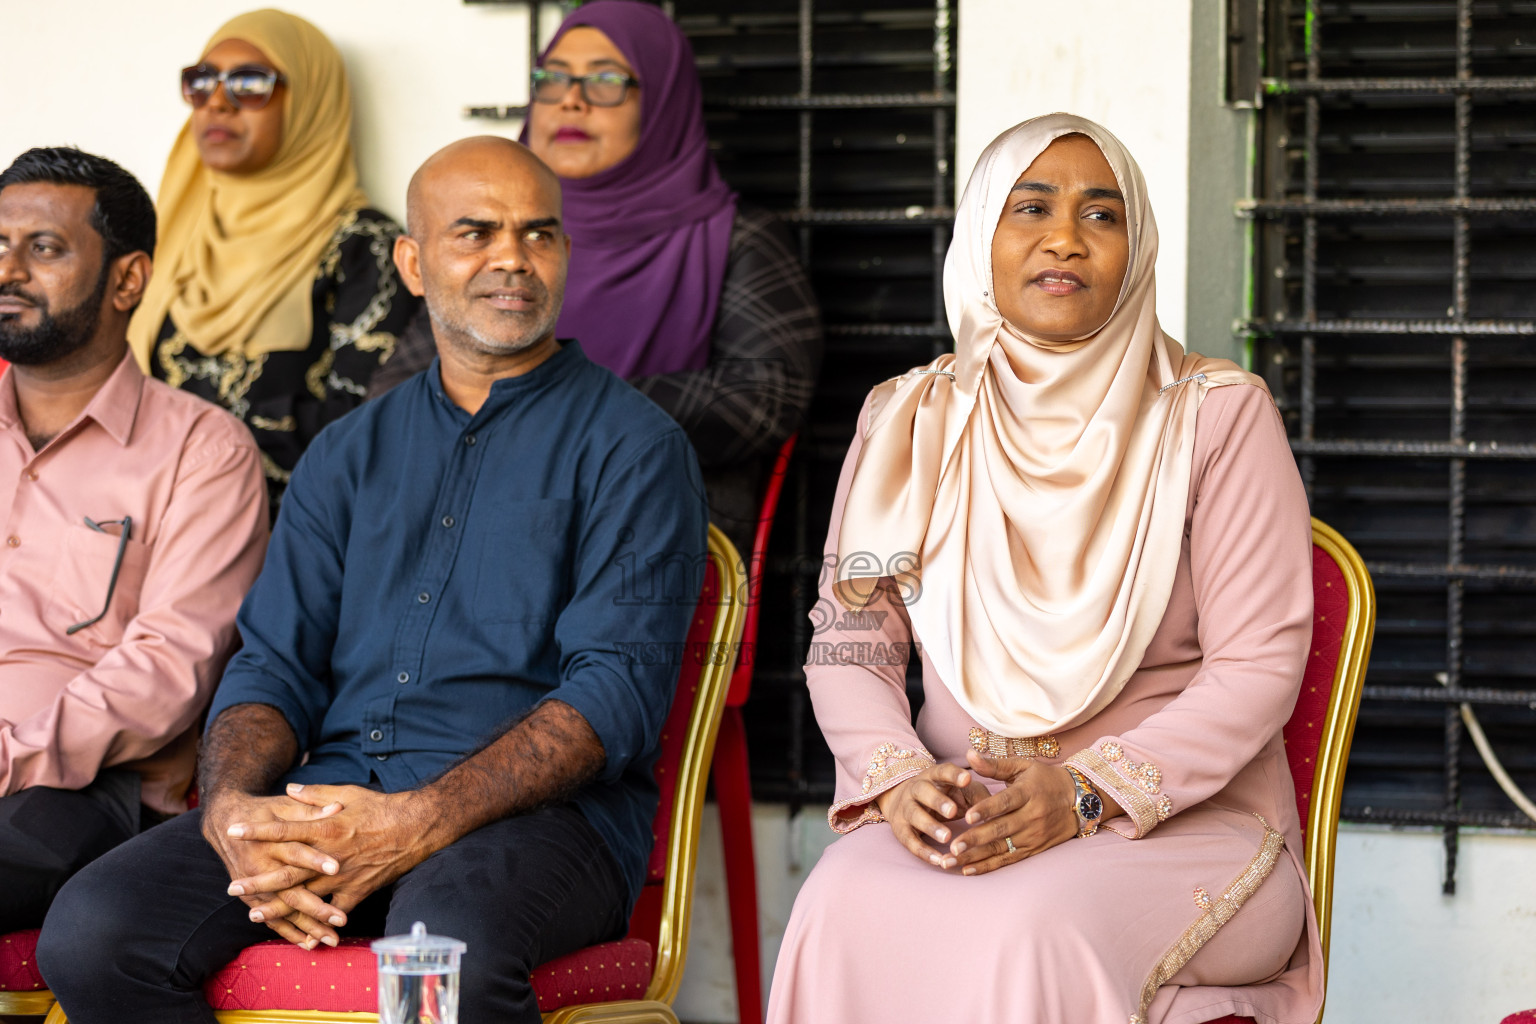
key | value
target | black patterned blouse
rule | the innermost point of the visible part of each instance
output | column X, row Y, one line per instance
column 360, row 309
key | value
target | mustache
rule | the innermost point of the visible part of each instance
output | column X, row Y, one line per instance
column 14, row 291
column 503, row 282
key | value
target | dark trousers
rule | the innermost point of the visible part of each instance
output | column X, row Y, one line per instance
column 132, row 937
column 46, row 835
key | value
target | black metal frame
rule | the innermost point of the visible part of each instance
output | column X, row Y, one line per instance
column 1290, row 347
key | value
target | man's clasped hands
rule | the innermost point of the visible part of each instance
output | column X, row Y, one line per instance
column 304, row 860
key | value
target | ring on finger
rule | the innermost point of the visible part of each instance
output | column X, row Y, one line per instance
column 1009, row 841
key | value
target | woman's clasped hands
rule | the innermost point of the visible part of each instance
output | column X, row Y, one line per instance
column 947, row 816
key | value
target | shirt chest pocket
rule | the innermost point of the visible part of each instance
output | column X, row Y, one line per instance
column 84, row 586
column 523, row 560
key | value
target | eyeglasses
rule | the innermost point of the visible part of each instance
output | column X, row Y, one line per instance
column 249, row 86
column 600, row 88
column 122, row 545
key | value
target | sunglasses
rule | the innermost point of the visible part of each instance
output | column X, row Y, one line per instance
column 600, row 89
column 249, row 86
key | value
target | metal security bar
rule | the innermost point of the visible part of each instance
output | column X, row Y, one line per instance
column 838, row 116
column 1394, row 316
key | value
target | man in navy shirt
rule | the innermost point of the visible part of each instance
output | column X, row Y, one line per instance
column 431, row 717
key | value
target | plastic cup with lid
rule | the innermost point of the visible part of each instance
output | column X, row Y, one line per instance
column 418, row 977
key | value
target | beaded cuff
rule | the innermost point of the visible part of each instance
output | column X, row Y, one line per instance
column 1136, row 786
column 888, row 765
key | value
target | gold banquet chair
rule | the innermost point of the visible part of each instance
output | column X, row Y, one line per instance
column 633, row 979
column 1321, row 727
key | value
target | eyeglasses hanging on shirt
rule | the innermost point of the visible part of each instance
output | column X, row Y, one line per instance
column 126, row 523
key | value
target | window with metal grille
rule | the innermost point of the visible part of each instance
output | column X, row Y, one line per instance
column 839, row 116
column 1394, row 315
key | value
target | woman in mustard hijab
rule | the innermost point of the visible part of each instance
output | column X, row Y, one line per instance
column 275, row 294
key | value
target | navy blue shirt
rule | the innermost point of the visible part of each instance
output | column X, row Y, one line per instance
column 433, row 575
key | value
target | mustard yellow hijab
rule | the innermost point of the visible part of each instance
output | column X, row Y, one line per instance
column 1032, row 492
column 238, row 253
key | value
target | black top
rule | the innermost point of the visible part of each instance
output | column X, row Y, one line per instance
column 360, row 309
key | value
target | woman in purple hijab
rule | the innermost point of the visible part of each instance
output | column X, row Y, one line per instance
column 697, row 300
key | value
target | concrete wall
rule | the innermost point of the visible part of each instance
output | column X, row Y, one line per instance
column 1123, row 63
column 102, row 75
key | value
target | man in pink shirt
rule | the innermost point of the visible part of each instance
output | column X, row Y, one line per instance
column 134, row 522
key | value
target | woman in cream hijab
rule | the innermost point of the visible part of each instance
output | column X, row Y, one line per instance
column 275, row 293
column 1101, row 545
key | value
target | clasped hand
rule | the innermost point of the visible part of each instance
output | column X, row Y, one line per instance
column 1033, row 809
column 286, row 854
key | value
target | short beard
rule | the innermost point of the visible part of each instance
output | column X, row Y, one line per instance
column 56, row 336
column 456, row 331
column 465, row 336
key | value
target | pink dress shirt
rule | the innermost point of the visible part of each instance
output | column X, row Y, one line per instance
column 128, row 691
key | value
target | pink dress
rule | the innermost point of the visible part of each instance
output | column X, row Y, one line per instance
column 1196, row 907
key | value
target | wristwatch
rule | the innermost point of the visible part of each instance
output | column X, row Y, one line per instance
column 1085, row 804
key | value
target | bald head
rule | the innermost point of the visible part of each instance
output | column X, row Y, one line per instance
column 477, row 159
column 486, row 250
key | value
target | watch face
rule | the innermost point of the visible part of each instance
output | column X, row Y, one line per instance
column 1090, row 806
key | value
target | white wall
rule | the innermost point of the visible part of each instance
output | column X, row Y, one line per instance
column 102, row 74
column 1123, row 63
column 1403, row 952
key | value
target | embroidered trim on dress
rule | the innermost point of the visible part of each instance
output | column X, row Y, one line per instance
column 1132, row 796
column 888, row 765
column 990, row 744
column 1218, row 911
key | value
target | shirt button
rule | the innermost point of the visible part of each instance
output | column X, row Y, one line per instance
column 404, row 677
column 31, row 474
column 381, row 757
column 423, row 597
column 13, row 541
column 448, row 521
column 376, row 735
column 470, row 440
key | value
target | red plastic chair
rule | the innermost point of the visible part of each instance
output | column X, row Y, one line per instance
column 633, row 979
column 733, row 780
column 1320, row 729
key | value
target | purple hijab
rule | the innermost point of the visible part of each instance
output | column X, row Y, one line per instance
column 651, row 235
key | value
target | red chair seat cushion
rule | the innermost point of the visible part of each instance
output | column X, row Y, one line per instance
column 279, row 976
column 18, row 962
column 597, row 974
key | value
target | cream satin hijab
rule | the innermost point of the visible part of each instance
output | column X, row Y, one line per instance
column 237, row 257
column 1040, row 486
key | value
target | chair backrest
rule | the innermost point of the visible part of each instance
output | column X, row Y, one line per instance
column 682, row 768
column 741, row 679
column 1320, row 729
